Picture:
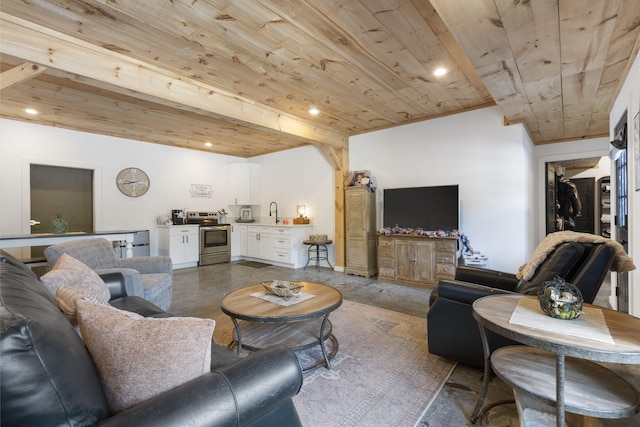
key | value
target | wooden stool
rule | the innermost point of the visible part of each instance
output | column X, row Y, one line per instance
column 318, row 250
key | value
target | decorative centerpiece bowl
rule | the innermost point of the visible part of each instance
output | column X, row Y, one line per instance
column 560, row 299
column 282, row 288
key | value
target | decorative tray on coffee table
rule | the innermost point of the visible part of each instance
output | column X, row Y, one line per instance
column 282, row 288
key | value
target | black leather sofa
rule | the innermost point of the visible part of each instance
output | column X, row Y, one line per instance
column 47, row 377
column 452, row 331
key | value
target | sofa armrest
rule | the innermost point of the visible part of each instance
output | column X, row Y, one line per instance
column 236, row 394
column 132, row 279
column 487, row 277
column 148, row 264
column 115, row 284
column 464, row 292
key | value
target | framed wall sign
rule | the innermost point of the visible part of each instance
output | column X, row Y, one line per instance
column 245, row 214
column 201, row 190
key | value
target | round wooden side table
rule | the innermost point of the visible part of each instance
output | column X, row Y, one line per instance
column 317, row 251
column 557, row 368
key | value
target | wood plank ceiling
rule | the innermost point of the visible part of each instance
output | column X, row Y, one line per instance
column 242, row 75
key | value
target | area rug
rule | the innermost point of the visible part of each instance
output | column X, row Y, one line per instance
column 254, row 264
column 382, row 375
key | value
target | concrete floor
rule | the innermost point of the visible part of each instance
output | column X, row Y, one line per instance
column 198, row 292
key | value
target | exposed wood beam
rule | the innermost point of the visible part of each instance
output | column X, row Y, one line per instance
column 340, row 175
column 332, row 154
column 18, row 74
column 338, row 158
column 40, row 45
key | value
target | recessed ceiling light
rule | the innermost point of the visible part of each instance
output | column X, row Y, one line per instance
column 208, row 144
column 314, row 111
column 440, row 72
column 31, row 111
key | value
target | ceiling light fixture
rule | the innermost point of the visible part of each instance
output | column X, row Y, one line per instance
column 31, row 111
column 208, row 144
column 314, row 111
column 440, row 71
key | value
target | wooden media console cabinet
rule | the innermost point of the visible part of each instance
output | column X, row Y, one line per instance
column 416, row 260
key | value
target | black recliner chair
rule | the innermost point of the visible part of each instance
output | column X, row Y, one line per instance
column 452, row 331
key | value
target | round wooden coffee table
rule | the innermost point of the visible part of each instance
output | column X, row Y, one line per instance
column 302, row 324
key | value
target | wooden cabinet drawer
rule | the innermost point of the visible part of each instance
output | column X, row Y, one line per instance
column 385, row 251
column 281, row 242
column 386, row 272
column 282, row 256
column 446, row 246
column 281, row 232
column 385, row 262
column 445, row 269
column 383, row 242
column 445, row 258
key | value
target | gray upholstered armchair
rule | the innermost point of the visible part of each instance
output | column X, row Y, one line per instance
column 148, row 277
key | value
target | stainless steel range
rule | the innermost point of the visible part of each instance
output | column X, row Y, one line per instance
column 215, row 238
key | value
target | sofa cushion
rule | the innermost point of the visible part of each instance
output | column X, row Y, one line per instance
column 96, row 253
column 139, row 358
column 72, row 273
column 158, row 287
column 559, row 263
column 48, row 377
column 67, row 299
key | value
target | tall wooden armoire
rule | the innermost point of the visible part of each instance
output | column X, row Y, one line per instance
column 360, row 230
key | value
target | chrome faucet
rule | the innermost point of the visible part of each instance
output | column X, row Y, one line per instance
column 274, row 203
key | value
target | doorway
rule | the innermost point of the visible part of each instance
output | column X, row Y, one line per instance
column 59, row 190
column 622, row 207
column 585, row 222
column 570, row 195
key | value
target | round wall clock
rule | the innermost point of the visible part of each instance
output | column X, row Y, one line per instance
column 133, row 182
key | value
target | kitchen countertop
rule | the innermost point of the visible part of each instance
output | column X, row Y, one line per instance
column 70, row 234
column 270, row 224
column 48, row 239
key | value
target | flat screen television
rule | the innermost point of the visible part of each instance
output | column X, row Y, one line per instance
column 430, row 208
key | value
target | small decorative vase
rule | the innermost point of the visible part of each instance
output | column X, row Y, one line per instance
column 59, row 225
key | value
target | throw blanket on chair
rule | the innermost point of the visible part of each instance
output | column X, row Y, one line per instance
column 621, row 263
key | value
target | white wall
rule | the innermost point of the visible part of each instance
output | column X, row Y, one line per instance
column 290, row 178
column 495, row 166
column 294, row 177
column 171, row 171
column 489, row 161
column 629, row 99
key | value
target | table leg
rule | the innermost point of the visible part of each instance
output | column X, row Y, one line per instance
column 326, row 254
column 308, row 257
column 560, row 390
column 238, row 333
column 487, row 375
column 322, row 346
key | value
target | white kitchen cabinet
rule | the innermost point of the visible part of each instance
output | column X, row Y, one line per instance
column 259, row 242
column 238, row 240
column 181, row 243
column 280, row 245
column 244, row 184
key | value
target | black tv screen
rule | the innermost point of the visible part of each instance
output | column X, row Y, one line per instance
column 429, row 208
